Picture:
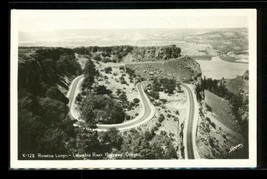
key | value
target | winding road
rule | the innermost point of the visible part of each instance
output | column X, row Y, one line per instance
column 191, row 126
column 147, row 113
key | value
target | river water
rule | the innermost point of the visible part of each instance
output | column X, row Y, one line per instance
column 217, row 68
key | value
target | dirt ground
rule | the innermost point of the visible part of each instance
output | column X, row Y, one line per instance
column 172, row 120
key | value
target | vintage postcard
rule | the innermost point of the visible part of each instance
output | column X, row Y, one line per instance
column 94, row 89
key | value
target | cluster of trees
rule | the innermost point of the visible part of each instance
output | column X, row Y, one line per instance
column 122, row 80
column 45, row 68
column 132, row 104
column 164, row 84
column 239, row 101
column 101, row 109
column 105, row 54
column 145, row 145
column 156, row 53
column 116, row 53
column 100, row 106
column 90, row 73
column 101, row 90
column 43, row 122
column 131, row 74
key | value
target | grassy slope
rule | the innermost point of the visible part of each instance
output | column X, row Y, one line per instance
column 183, row 68
column 217, row 136
column 221, row 108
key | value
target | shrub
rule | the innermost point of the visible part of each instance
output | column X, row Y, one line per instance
column 163, row 101
column 136, row 100
column 105, row 60
column 130, row 106
column 79, row 97
column 128, row 117
column 105, row 77
column 108, row 70
column 213, row 125
column 121, row 68
column 118, row 92
column 208, row 107
column 176, row 119
column 155, row 128
column 83, row 93
column 158, row 124
column 98, row 58
column 161, row 117
column 154, row 94
column 149, row 135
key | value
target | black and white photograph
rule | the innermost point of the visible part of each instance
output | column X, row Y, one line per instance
column 133, row 88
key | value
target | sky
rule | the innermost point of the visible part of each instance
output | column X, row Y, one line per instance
column 53, row 20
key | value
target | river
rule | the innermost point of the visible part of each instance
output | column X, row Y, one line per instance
column 217, row 68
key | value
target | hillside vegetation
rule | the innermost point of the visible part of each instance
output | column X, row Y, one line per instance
column 43, row 122
column 130, row 53
column 229, row 108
